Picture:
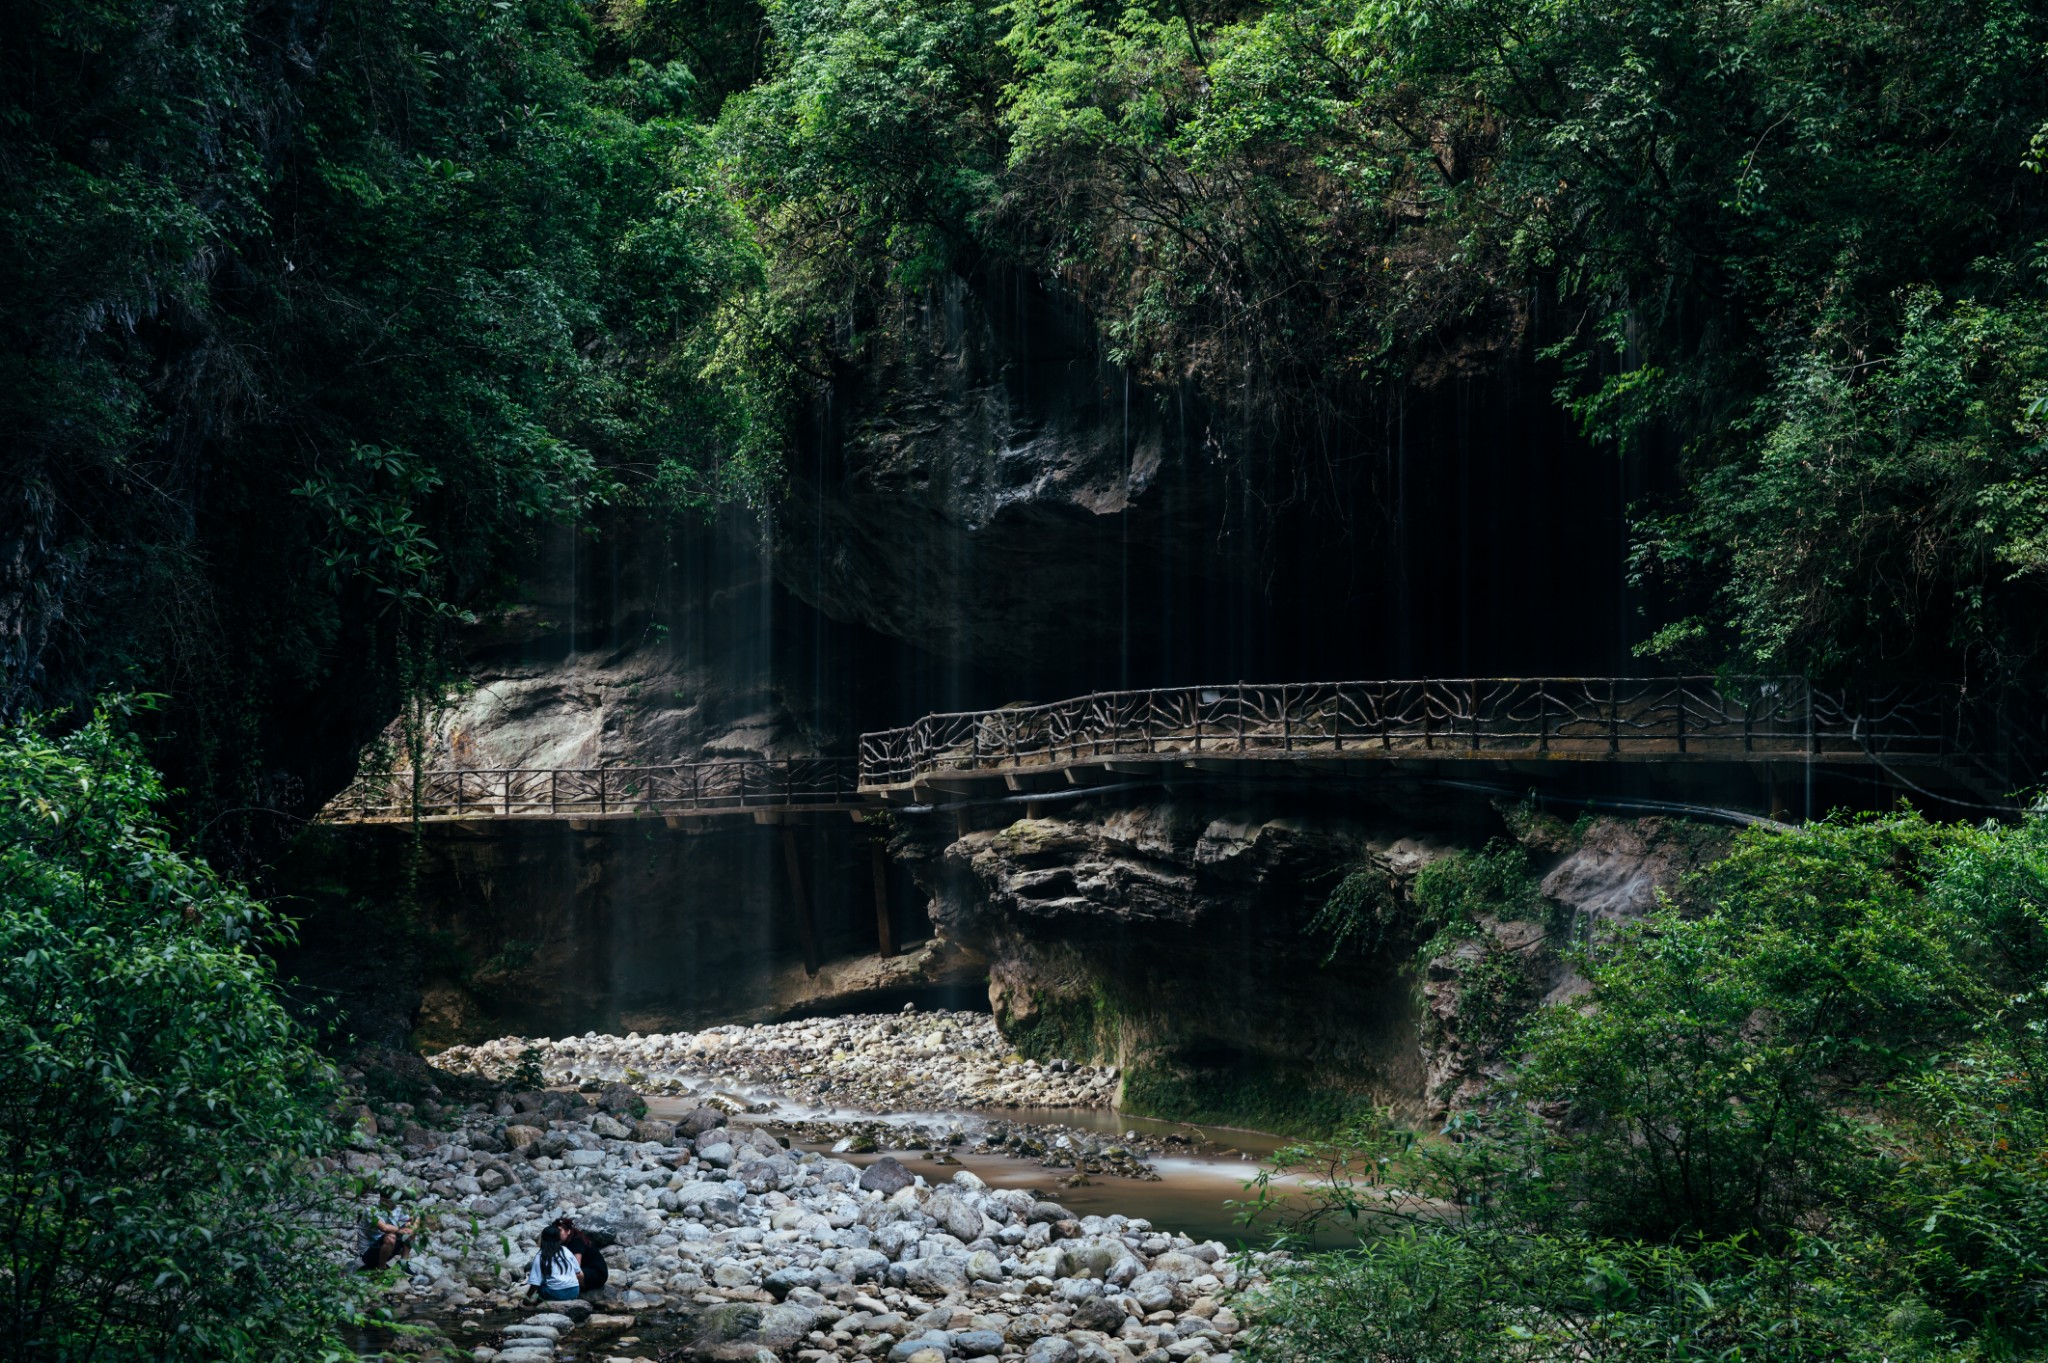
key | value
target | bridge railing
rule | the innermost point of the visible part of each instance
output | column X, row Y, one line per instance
column 1592, row 717
column 572, row 792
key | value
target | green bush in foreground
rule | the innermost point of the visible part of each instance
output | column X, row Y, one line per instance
column 158, row 1107
column 1800, row 1114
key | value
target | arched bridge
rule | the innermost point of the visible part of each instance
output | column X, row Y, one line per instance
column 1318, row 727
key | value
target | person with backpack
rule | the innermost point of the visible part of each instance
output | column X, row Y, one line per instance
column 557, row 1274
column 381, row 1236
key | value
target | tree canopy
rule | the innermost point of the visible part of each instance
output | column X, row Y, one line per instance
column 312, row 315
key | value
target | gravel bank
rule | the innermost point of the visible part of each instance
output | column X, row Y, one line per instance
column 934, row 1061
column 732, row 1247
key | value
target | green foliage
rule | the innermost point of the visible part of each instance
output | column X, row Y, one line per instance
column 1793, row 254
column 1454, row 891
column 161, row 1108
column 311, row 318
column 1801, row 1118
column 1081, row 1027
column 1247, row 1091
column 527, row 1076
column 1362, row 914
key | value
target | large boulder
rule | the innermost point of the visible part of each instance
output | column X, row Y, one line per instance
column 937, row 1276
column 739, row 1330
column 621, row 1101
column 721, row 1196
column 886, row 1176
column 955, row 1216
column 699, row 1120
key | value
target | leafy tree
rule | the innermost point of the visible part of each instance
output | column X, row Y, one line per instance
column 159, row 1110
column 1798, row 1115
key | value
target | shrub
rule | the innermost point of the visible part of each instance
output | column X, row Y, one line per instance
column 159, row 1110
column 1801, row 1117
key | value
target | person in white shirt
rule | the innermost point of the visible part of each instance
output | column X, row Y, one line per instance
column 557, row 1274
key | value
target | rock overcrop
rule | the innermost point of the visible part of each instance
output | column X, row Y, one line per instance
column 755, row 1252
column 927, row 1060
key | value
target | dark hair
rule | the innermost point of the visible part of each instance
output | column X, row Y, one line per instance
column 552, row 1249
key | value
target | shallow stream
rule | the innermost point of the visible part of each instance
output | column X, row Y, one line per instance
column 1196, row 1194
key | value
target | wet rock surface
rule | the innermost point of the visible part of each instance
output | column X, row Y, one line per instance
column 725, row 1244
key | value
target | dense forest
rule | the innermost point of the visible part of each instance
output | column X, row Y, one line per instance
column 314, row 314
column 315, row 310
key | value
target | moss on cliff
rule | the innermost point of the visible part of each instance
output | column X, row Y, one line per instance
column 1084, row 1027
column 1254, row 1095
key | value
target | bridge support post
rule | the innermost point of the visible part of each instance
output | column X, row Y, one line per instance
column 807, row 932
column 885, row 924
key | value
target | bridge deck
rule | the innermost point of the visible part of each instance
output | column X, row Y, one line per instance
column 1316, row 725
column 1605, row 719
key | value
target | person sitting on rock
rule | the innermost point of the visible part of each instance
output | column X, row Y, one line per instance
column 585, row 1248
column 557, row 1274
column 382, row 1237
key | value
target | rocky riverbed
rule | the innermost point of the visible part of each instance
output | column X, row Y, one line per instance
column 865, row 1082
column 930, row 1061
column 725, row 1244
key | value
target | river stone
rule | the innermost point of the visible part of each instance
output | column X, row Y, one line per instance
column 955, row 1217
column 910, row 1349
column 621, row 1100
column 583, row 1159
column 975, row 1343
column 1047, row 1213
column 718, row 1154
column 1051, row 1349
column 1184, row 1267
column 1100, row 1313
column 1026, row 1328
column 730, row 1274
column 858, row 1265
column 1154, row 1290
column 886, row 1176
column 610, row 1127
column 723, row 1196
column 784, row 1281
column 699, row 1120
column 1090, row 1259
column 553, row 1320
column 1042, row 1263
column 520, row 1137
column 984, row 1267
column 936, row 1276
column 749, row 1323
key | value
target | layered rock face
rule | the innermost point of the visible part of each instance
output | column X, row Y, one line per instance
column 618, row 927
column 1179, row 939
column 1172, row 939
column 986, row 512
column 648, row 644
column 987, row 487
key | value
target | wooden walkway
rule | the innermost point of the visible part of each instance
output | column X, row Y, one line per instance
column 1546, row 719
column 684, row 790
column 1320, row 726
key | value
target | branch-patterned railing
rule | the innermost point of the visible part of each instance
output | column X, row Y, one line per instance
column 1661, row 718
column 1592, row 717
column 684, row 788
